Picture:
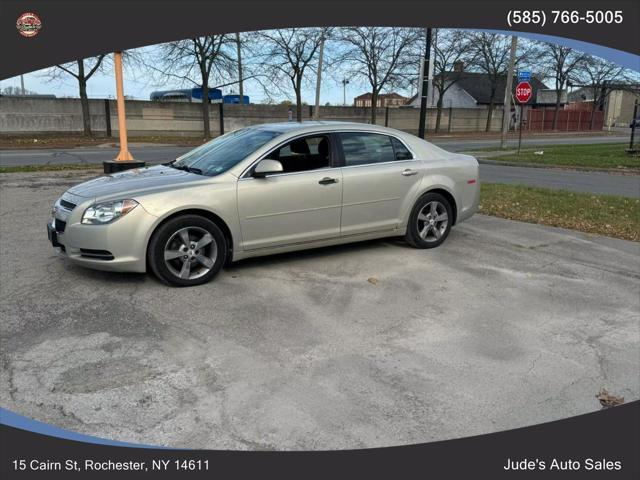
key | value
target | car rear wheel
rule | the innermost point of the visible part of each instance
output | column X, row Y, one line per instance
column 429, row 222
column 187, row 250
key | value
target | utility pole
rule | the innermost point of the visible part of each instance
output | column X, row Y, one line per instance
column 22, row 84
column 425, row 86
column 240, row 86
column 316, row 111
column 506, row 110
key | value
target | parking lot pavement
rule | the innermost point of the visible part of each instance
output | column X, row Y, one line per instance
column 505, row 325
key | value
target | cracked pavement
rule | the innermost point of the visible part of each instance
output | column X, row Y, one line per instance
column 505, row 325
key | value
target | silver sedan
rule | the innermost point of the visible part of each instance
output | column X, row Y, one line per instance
column 262, row 190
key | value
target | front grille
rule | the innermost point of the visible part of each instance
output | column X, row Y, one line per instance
column 67, row 205
column 60, row 225
column 97, row 254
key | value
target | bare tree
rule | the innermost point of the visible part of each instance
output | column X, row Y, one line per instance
column 199, row 61
column 287, row 54
column 17, row 91
column 491, row 56
column 452, row 50
column 599, row 77
column 379, row 55
column 82, row 72
column 562, row 64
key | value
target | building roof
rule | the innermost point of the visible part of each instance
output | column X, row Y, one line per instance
column 368, row 95
column 478, row 85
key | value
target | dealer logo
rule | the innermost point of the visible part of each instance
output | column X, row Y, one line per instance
column 28, row 24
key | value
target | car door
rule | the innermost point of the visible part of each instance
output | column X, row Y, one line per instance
column 299, row 205
column 380, row 178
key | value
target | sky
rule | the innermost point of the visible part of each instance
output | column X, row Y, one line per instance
column 139, row 86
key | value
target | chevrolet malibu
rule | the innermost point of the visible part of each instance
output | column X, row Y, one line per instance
column 262, row 190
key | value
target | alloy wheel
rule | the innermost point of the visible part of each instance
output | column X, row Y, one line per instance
column 432, row 221
column 190, row 253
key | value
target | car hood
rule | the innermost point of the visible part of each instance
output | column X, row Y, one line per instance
column 135, row 182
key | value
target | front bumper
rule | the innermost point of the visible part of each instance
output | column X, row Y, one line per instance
column 119, row 246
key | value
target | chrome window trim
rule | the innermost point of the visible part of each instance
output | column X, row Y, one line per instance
column 392, row 162
column 245, row 173
column 285, row 174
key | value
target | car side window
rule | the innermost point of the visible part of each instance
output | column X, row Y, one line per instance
column 366, row 148
column 400, row 150
column 302, row 154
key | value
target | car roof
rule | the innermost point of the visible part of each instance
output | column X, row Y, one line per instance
column 315, row 125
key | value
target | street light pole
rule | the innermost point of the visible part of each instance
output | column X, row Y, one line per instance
column 345, row 82
column 425, row 86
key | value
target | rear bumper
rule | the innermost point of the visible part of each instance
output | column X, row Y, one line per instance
column 119, row 246
column 472, row 208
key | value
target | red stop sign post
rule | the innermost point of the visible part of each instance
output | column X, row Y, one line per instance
column 523, row 95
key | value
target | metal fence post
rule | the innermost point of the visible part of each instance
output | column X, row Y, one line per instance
column 107, row 116
column 221, row 117
column 633, row 126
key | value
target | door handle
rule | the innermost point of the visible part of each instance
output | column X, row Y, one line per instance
column 408, row 172
column 328, row 180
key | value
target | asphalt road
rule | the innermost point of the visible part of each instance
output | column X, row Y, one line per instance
column 161, row 154
column 505, row 325
column 599, row 183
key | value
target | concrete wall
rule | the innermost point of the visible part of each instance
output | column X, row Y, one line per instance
column 31, row 116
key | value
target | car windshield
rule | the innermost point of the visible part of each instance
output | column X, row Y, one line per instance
column 219, row 155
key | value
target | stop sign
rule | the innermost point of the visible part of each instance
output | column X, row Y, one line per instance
column 523, row 92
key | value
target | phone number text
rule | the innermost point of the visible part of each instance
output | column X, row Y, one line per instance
column 541, row 17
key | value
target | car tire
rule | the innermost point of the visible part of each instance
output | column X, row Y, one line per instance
column 421, row 218
column 178, row 264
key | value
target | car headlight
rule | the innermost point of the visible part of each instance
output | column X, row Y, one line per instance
column 107, row 212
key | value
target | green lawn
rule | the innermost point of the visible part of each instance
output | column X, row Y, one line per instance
column 609, row 155
column 608, row 215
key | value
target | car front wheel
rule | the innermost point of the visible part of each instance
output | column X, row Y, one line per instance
column 187, row 250
column 429, row 222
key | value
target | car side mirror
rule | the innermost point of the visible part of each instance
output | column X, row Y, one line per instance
column 266, row 167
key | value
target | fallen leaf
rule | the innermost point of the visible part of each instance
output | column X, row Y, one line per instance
column 372, row 280
column 608, row 400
